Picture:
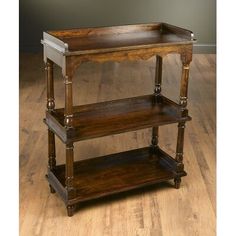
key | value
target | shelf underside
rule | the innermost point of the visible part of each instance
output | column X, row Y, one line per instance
column 97, row 177
column 113, row 117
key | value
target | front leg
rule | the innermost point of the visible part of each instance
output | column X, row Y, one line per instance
column 157, row 93
column 50, row 107
column 177, row 181
column 70, row 210
column 70, row 176
column 68, row 115
column 186, row 59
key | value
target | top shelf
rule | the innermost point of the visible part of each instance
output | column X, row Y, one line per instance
column 117, row 38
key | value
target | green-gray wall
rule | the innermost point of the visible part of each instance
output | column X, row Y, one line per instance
column 38, row 16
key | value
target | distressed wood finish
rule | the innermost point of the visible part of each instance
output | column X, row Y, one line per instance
column 70, row 48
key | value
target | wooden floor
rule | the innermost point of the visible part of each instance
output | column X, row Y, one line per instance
column 160, row 210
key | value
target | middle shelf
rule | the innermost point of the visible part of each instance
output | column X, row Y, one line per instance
column 114, row 117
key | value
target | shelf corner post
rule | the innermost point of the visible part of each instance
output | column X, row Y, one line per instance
column 50, row 107
column 157, row 93
column 50, row 84
column 186, row 58
column 69, row 178
column 68, row 114
column 68, row 70
column 158, row 77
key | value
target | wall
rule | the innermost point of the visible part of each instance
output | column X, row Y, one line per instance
column 38, row 16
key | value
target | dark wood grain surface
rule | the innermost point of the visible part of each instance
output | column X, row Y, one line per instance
column 115, row 173
column 113, row 117
column 121, row 40
column 118, row 37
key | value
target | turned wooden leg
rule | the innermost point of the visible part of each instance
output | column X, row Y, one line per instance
column 68, row 115
column 154, row 145
column 158, row 77
column 51, row 154
column 180, row 142
column 69, row 169
column 68, row 122
column 177, row 181
column 70, row 176
column 50, row 85
column 50, row 107
column 70, row 210
column 179, row 150
column 186, row 59
column 51, row 150
column 157, row 93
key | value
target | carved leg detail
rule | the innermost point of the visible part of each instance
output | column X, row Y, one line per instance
column 177, row 181
column 70, row 210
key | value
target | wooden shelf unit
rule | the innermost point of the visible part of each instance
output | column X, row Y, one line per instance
column 88, row 179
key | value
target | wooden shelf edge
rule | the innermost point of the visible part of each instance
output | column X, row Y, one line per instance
column 147, row 170
column 169, row 162
column 56, row 128
column 74, row 134
column 57, row 186
column 58, row 40
column 121, row 190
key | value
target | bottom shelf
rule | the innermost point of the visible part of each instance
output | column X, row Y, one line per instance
column 97, row 177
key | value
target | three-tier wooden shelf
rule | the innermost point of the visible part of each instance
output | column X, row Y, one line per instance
column 96, row 177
